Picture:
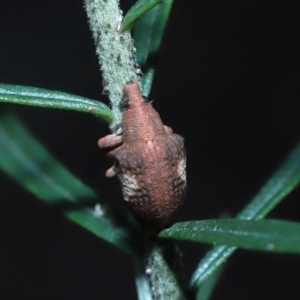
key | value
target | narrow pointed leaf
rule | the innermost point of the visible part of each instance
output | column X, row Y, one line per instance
column 146, row 82
column 24, row 159
column 149, row 31
column 53, row 99
column 283, row 181
column 141, row 281
column 148, row 34
column 207, row 287
column 264, row 235
column 210, row 263
column 137, row 11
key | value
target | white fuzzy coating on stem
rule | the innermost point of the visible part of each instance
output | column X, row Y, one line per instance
column 115, row 51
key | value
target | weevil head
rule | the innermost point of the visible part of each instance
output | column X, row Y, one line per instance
column 133, row 96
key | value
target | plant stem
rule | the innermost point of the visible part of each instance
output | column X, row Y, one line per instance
column 118, row 65
column 141, row 280
column 115, row 51
column 164, row 271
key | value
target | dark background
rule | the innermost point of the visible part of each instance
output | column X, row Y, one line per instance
column 227, row 80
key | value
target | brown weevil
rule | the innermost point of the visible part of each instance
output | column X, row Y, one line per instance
column 150, row 162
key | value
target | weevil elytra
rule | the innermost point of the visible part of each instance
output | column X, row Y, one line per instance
column 150, row 162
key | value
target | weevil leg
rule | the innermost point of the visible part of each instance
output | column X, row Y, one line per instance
column 168, row 129
column 110, row 144
column 110, row 173
column 110, row 141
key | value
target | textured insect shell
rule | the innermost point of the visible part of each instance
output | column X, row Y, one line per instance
column 141, row 122
column 153, row 179
column 151, row 168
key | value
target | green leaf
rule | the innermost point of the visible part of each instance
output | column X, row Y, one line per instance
column 264, row 235
column 149, row 31
column 137, row 11
column 141, row 280
column 212, row 260
column 148, row 34
column 24, row 159
column 207, row 287
column 146, row 82
column 53, row 99
column 283, row 181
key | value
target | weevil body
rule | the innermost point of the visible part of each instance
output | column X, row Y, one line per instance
column 150, row 162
